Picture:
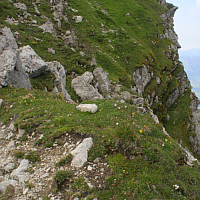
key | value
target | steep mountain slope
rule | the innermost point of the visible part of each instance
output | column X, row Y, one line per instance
column 68, row 48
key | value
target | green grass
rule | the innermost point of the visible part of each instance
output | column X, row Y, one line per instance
column 145, row 164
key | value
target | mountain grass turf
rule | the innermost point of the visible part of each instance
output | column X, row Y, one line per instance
column 145, row 163
column 121, row 35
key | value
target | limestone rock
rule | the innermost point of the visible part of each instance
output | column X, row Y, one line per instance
column 78, row 19
column 11, row 71
column 5, row 184
column 21, row 6
column 81, row 85
column 80, row 154
column 194, row 103
column 50, row 50
column 172, row 97
column 36, row 8
column 59, row 71
column 87, row 108
column 102, row 79
column 71, row 40
column 1, row 101
column 9, row 167
column 24, row 164
column 126, row 95
column 154, row 117
column 20, row 133
column 168, row 23
column 10, row 145
column 47, row 27
column 11, row 21
column 31, row 62
column 195, row 141
column 141, row 77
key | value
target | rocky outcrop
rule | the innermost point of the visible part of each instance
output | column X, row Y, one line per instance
column 169, row 25
column 179, row 90
column 102, row 79
column 84, row 89
column 17, row 65
column 35, row 66
column 60, row 83
column 195, row 140
column 31, row 62
column 141, row 77
column 11, row 71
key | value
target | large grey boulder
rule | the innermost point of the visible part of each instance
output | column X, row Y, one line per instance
column 59, row 71
column 84, row 89
column 80, row 154
column 11, row 71
column 102, row 79
column 31, row 62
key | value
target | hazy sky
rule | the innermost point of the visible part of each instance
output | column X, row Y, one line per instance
column 187, row 23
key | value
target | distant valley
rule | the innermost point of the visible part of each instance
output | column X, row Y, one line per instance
column 191, row 62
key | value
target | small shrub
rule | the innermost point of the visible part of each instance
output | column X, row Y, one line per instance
column 62, row 175
column 65, row 160
column 32, row 157
column 18, row 154
column 81, row 185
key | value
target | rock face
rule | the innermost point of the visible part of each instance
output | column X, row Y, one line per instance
column 178, row 91
column 141, row 77
column 87, row 108
column 84, row 89
column 102, row 79
column 31, row 62
column 169, row 25
column 195, row 141
column 58, row 70
column 11, row 71
column 81, row 153
column 16, row 66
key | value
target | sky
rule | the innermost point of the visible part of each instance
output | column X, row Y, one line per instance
column 187, row 23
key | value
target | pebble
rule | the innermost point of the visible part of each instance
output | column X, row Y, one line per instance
column 89, row 168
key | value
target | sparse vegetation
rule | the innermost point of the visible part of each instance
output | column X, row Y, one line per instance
column 62, row 175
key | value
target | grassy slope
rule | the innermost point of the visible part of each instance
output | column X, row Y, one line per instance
column 130, row 45
column 145, row 163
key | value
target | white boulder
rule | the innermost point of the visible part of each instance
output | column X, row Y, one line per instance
column 87, row 108
column 80, row 154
